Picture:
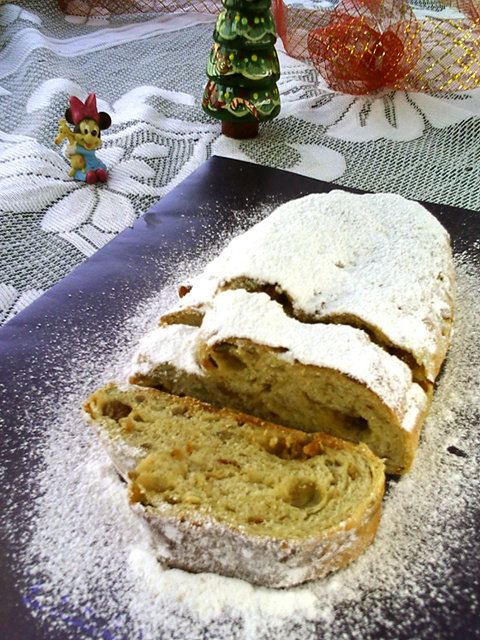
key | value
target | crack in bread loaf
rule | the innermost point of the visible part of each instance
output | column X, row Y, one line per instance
column 193, row 316
column 229, row 493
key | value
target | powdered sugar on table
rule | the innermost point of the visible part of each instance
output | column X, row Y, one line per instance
column 88, row 563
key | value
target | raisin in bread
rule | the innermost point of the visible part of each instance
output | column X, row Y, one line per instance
column 332, row 314
column 232, row 494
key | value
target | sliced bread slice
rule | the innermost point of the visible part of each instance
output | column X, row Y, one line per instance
column 250, row 356
column 228, row 493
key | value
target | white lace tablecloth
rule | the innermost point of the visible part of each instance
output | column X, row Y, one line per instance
column 148, row 72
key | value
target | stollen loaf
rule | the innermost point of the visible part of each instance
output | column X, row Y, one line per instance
column 332, row 314
column 378, row 262
column 232, row 494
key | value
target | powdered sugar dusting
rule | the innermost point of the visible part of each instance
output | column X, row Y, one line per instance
column 161, row 345
column 338, row 253
column 343, row 348
column 88, row 566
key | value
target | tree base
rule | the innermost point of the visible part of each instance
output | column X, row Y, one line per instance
column 239, row 130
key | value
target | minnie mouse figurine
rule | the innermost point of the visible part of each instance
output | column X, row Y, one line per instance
column 84, row 139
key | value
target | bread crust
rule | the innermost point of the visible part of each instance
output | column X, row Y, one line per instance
column 198, row 541
column 199, row 544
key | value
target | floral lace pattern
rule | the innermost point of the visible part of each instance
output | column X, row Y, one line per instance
column 148, row 73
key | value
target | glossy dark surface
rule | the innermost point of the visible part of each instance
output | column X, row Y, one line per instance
column 103, row 292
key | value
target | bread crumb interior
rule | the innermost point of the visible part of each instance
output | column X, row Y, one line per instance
column 262, row 480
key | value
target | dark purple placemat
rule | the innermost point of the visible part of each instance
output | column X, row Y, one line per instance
column 102, row 293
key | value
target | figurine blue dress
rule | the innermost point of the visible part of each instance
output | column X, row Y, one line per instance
column 94, row 170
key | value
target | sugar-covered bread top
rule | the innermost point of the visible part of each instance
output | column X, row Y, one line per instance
column 174, row 345
column 237, row 314
column 375, row 260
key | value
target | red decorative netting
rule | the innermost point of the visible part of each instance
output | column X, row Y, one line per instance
column 360, row 46
column 366, row 45
column 93, row 8
column 470, row 8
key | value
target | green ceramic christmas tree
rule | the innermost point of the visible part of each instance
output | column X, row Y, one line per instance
column 243, row 68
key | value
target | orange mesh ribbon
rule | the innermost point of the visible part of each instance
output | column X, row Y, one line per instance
column 359, row 47
column 364, row 45
column 367, row 44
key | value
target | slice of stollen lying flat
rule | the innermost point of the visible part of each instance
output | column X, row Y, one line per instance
column 227, row 493
column 249, row 355
column 378, row 262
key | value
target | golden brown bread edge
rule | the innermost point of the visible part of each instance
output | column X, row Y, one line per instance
column 199, row 542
